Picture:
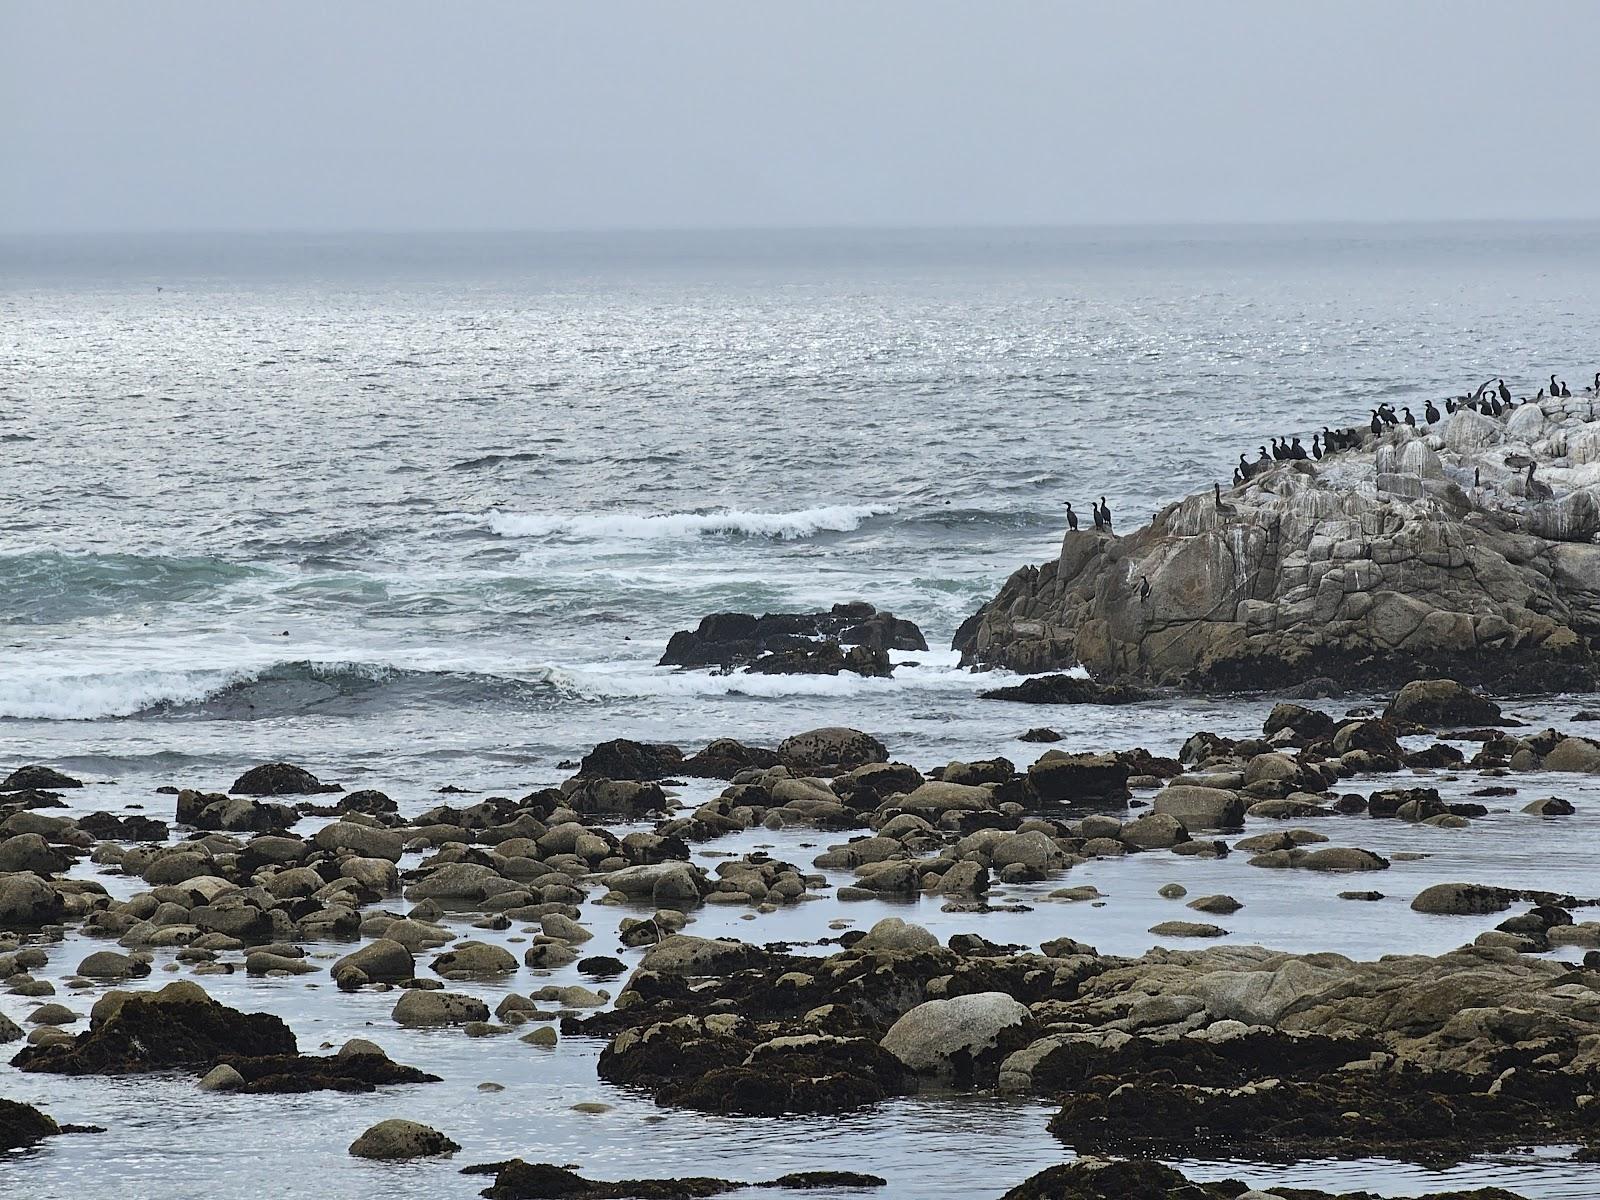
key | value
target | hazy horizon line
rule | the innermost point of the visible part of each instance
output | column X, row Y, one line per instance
column 840, row 227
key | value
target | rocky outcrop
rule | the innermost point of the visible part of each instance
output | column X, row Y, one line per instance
column 1423, row 555
column 850, row 637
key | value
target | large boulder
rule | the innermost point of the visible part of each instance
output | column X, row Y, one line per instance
column 1200, row 807
column 420, row 1009
column 280, row 779
column 1061, row 778
column 1307, row 723
column 624, row 759
column 379, row 961
column 27, row 901
column 1463, row 899
column 365, row 840
column 1441, row 703
column 1574, row 754
column 963, row 1038
column 396, row 1138
column 831, row 750
column 30, row 852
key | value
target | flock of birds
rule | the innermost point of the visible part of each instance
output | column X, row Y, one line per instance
column 1493, row 399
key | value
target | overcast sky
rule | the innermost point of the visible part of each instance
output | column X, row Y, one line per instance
column 558, row 114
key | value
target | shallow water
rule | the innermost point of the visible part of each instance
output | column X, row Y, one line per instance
column 423, row 511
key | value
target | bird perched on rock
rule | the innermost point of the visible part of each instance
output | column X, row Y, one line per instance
column 1072, row 517
column 1430, row 413
column 1144, row 588
column 1409, row 419
column 1105, row 514
column 1538, row 489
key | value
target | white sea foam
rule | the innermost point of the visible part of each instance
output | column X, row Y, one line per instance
column 619, row 526
column 90, row 696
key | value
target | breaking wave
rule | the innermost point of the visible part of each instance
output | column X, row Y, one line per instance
column 800, row 523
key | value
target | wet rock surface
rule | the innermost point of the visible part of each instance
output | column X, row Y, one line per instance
column 567, row 917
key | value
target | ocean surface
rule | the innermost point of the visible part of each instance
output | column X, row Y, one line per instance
column 423, row 510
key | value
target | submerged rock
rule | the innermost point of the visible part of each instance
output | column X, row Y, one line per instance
column 1066, row 689
column 518, row 1180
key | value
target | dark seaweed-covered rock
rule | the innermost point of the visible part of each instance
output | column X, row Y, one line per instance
column 1141, row 1179
column 736, row 639
column 280, row 779
column 133, row 828
column 176, row 1028
column 724, row 758
column 640, row 762
column 23, row 1125
column 181, row 1028
column 518, row 1180
column 1061, row 778
column 35, row 777
column 824, row 658
column 1435, row 1118
column 1306, row 723
column 296, row 1073
column 1066, row 689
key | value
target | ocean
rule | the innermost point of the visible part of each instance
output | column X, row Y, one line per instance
column 423, row 510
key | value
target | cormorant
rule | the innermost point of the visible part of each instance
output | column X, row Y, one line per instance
column 1264, row 460
column 1144, row 588
column 1505, row 393
column 1564, row 393
column 1449, row 404
column 1238, row 473
column 1099, row 524
column 1386, row 411
column 1539, row 397
column 1278, row 451
column 1297, row 451
column 1216, row 491
column 1410, row 420
column 1377, row 423
column 1316, row 446
column 1105, row 513
column 1072, row 517
column 1431, row 414
column 1538, row 489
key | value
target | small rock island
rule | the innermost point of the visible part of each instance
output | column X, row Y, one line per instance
column 1464, row 549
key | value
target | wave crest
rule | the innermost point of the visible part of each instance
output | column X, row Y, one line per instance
column 779, row 526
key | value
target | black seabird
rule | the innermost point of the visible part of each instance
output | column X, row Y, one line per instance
column 1430, row 413
column 1072, row 517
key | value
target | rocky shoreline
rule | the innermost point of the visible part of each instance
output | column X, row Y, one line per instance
column 1189, row 1049
column 1464, row 550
